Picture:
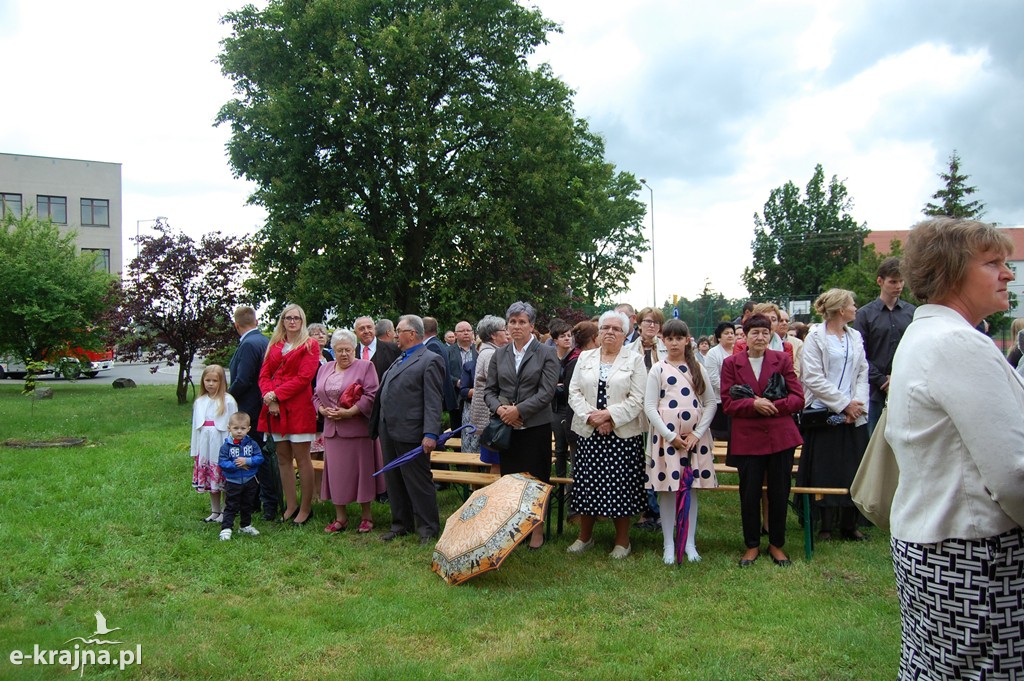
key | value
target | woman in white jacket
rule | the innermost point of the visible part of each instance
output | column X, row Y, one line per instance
column 954, row 424
column 835, row 378
column 606, row 396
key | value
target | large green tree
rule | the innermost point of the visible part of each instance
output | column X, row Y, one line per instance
column 53, row 295
column 410, row 159
column 801, row 241
column 953, row 196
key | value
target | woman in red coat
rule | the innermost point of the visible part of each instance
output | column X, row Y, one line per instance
column 763, row 437
column 291, row 361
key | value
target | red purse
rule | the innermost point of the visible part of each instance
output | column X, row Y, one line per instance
column 350, row 395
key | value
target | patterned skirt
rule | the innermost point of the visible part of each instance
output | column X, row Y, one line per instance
column 962, row 608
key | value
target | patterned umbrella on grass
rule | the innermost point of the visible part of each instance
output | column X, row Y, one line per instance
column 495, row 518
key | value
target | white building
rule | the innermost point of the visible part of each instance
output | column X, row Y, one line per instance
column 84, row 196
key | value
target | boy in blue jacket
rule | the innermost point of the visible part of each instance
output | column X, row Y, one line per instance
column 240, row 458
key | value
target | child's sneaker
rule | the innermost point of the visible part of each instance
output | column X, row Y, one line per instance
column 225, row 534
column 249, row 529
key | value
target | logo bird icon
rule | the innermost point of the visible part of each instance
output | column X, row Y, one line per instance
column 101, row 625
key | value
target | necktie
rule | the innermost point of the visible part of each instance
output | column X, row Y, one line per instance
column 366, row 352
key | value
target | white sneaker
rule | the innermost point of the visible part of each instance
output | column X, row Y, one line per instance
column 225, row 535
column 620, row 552
column 580, row 546
column 250, row 530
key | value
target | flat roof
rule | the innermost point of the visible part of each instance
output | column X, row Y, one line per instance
column 59, row 158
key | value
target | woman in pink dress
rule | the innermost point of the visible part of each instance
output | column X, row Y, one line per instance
column 345, row 390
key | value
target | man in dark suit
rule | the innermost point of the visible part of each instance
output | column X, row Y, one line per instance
column 245, row 373
column 459, row 353
column 406, row 415
column 381, row 353
column 632, row 333
column 434, row 344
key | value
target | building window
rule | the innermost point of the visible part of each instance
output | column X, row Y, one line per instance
column 52, row 207
column 95, row 213
column 10, row 203
column 102, row 258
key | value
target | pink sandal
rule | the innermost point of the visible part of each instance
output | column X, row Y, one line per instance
column 365, row 526
column 336, row 526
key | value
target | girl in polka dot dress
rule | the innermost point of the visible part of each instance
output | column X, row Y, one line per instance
column 679, row 404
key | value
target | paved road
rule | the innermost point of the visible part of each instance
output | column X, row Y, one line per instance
column 140, row 372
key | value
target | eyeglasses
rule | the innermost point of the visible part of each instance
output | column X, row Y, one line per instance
column 291, row 318
column 401, row 331
column 650, row 322
column 609, row 329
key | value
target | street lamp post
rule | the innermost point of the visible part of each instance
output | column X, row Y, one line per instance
column 138, row 224
column 654, row 278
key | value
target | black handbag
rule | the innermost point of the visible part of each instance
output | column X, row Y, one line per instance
column 813, row 419
column 497, row 434
column 776, row 388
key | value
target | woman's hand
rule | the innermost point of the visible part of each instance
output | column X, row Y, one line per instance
column 854, row 410
column 599, row 417
column 765, row 407
column 509, row 414
column 269, row 398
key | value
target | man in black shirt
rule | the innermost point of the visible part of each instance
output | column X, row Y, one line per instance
column 881, row 323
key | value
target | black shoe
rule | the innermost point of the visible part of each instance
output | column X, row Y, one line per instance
column 269, row 517
column 392, row 535
column 429, row 539
column 747, row 562
column 855, row 535
column 309, row 517
column 286, row 518
column 785, row 562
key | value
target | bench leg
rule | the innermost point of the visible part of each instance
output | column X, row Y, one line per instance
column 808, row 527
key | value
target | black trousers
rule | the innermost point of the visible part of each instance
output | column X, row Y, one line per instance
column 241, row 500
column 411, row 492
column 268, row 478
column 752, row 469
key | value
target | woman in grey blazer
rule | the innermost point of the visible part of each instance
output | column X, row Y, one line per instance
column 954, row 424
column 521, row 380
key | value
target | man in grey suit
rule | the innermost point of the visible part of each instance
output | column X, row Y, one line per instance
column 459, row 353
column 406, row 415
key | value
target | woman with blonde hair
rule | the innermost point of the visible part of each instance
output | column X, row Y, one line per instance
column 289, row 366
column 835, row 378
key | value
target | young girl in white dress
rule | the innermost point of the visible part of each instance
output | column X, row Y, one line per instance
column 210, row 414
column 679, row 404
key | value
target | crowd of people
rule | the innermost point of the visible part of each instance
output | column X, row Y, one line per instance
column 630, row 405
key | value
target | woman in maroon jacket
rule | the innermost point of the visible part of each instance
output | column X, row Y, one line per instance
column 764, row 435
column 291, row 361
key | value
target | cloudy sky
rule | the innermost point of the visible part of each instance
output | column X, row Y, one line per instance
column 714, row 103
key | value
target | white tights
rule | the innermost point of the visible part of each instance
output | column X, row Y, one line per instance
column 667, row 507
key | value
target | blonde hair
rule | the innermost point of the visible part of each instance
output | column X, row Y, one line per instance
column 239, row 418
column 937, row 253
column 765, row 308
column 222, row 389
column 279, row 335
column 832, row 301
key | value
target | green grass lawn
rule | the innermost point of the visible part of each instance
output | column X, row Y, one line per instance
column 114, row 526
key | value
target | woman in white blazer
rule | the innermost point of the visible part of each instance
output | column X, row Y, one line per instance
column 835, row 378
column 955, row 426
column 606, row 395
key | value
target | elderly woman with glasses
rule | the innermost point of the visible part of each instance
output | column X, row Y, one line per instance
column 292, row 360
column 521, row 379
column 491, row 331
column 606, row 395
column 345, row 391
